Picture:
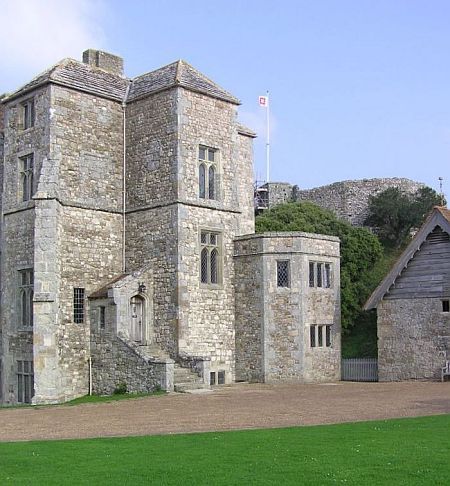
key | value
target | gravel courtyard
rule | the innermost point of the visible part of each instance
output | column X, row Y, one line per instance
column 240, row 406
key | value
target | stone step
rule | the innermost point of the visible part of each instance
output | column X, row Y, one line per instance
column 183, row 387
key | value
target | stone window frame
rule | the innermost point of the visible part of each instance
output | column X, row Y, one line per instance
column 25, row 296
column 208, row 164
column 79, row 305
column 25, row 380
column 210, row 253
column 101, row 317
column 26, row 177
column 217, row 378
column 320, row 274
column 283, row 274
column 27, row 114
column 320, row 336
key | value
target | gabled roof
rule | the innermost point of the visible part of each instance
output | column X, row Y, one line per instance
column 78, row 75
column 439, row 216
column 84, row 77
column 179, row 73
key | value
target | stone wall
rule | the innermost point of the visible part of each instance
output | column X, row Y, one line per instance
column 18, row 229
column 272, row 322
column 413, row 338
column 347, row 199
column 206, row 312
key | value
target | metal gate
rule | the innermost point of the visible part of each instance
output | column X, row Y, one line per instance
column 360, row 369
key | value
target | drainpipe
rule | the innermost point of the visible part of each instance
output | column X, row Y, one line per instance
column 124, row 173
column 90, row 376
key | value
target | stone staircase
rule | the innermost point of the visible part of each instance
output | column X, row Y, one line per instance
column 184, row 379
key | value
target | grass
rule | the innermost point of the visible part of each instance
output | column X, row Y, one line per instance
column 111, row 398
column 90, row 399
column 401, row 452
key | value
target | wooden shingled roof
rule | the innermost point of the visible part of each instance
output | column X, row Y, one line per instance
column 439, row 216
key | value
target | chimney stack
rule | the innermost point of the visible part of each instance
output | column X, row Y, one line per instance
column 104, row 60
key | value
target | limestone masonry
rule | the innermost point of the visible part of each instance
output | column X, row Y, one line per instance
column 347, row 199
column 128, row 259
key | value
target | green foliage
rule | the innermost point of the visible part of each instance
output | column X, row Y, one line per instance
column 121, row 389
column 403, row 452
column 395, row 213
column 360, row 250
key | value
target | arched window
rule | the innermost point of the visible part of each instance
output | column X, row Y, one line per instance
column 214, row 258
column 207, row 169
column 210, row 259
column 26, row 298
column 204, row 266
column 202, row 181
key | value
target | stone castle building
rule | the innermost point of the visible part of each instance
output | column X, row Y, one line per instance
column 349, row 200
column 128, row 254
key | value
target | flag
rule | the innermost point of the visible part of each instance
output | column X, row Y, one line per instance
column 264, row 101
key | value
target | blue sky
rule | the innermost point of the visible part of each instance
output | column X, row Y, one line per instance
column 358, row 88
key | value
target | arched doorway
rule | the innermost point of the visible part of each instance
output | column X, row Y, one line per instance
column 137, row 308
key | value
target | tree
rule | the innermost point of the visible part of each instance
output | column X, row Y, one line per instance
column 394, row 213
column 360, row 249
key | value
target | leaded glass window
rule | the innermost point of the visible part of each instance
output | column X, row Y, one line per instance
column 26, row 298
column 25, row 381
column 78, row 305
column 207, row 172
column 210, row 257
column 320, row 336
column 283, row 278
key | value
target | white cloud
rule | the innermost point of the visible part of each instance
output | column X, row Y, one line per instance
column 35, row 34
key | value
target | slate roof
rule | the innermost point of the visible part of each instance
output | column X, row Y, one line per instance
column 439, row 216
column 102, row 292
column 179, row 73
column 77, row 75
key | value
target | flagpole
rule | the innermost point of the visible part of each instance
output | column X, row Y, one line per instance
column 268, row 139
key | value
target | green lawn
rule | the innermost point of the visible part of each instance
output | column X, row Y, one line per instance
column 408, row 451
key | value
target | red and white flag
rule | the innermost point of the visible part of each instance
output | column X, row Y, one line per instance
column 264, row 101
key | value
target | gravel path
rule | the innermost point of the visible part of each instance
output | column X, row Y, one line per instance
column 240, row 406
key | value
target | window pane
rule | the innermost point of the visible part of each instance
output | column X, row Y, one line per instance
column 202, row 153
column 202, row 181
column 204, row 266
column 203, row 237
column 282, row 273
column 102, row 317
column 213, row 239
column 319, row 274
column 311, row 274
column 327, row 276
column 328, row 335
column 214, row 258
column 212, row 378
column 78, row 305
column 212, row 183
column 221, row 377
column 211, row 155
column 24, row 305
column 312, row 336
column 320, row 336
column 20, row 388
